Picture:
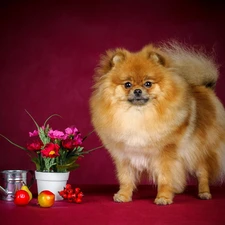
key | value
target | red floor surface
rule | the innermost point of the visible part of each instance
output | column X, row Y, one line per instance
column 98, row 208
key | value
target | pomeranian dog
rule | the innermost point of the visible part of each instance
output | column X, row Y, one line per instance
column 157, row 114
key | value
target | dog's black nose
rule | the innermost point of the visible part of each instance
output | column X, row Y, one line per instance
column 137, row 92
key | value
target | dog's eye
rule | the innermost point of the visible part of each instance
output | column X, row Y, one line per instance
column 128, row 85
column 148, row 84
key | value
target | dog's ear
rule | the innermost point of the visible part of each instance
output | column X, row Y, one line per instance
column 109, row 60
column 117, row 58
column 155, row 55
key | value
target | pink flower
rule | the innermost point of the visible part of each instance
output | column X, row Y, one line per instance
column 33, row 134
column 51, row 150
column 71, row 130
column 56, row 134
column 78, row 139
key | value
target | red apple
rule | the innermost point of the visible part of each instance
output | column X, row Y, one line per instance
column 46, row 198
column 21, row 198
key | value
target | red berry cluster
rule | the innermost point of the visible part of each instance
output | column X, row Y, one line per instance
column 72, row 195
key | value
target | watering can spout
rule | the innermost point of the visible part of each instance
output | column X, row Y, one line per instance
column 3, row 191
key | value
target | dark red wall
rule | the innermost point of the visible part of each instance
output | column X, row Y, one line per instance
column 49, row 52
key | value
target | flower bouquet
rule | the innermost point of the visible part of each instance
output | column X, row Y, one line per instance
column 54, row 150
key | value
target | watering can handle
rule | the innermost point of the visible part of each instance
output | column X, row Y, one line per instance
column 32, row 178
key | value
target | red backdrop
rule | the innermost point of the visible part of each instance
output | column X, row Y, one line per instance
column 49, row 52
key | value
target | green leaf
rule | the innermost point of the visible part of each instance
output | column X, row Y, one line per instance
column 69, row 160
column 49, row 162
column 37, row 163
column 44, row 138
column 72, row 167
column 69, row 164
column 67, row 167
column 76, row 150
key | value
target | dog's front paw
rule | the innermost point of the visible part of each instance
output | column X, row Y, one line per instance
column 121, row 198
column 163, row 201
column 205, row 195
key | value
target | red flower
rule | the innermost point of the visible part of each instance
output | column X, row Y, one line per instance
column 71, row 144
column 35, row 145
column 68, row 143
column 51, row 150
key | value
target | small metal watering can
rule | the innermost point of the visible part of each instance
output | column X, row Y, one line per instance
column 13, row 181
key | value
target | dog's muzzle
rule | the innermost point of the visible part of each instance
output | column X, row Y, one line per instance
column 137, row 97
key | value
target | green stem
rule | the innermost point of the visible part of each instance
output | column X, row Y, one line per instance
column 88, row 135
column 18, row 146
column 50, row 118
column 33, row 119
column 93, row 149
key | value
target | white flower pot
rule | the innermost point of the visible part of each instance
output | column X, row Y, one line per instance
column 53, row 182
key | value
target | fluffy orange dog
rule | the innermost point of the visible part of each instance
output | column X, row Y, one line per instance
column 157, row 114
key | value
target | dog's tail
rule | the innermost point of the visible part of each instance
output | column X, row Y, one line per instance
column 194, row 65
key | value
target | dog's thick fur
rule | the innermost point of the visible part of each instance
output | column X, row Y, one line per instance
column 156, row 112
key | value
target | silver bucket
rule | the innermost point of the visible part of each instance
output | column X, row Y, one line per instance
column 12, row 180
